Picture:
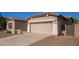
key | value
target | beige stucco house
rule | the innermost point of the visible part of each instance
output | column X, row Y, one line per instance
column 14, row 24
column 52, row 24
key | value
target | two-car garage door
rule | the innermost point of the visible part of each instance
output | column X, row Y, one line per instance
column 41, row 27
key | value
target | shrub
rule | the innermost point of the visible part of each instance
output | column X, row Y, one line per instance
column 75, row 21
column 9, row 31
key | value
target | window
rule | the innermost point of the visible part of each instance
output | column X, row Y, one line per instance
column 10, row 25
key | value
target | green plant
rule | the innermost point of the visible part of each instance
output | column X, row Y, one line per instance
column 2, row 22
column 75, row 21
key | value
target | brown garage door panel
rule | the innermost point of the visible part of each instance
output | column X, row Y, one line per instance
column 42, row 28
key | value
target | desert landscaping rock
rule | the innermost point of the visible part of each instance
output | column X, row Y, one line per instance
column 4, row 34
column 58, row 41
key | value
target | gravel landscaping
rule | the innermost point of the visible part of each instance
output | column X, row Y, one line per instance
column 3, row 34
column 58, row 41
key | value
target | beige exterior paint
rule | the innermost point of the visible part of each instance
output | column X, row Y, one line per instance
column 42, row 27
column 17, row 25
column 76, row 30
column 45, row 25
column 22, row 25
column 48, row 18
column 55, row 29
column 13, row 26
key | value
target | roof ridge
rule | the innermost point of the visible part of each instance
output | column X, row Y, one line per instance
column 49, row 14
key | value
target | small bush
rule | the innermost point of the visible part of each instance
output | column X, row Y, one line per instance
column 75, row 21
column 8, row 31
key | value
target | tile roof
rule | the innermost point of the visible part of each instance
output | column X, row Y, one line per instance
column 47, row 14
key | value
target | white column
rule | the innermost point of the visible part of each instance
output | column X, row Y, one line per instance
column 13, row 30
column 55, row 28
column 7, row 26
column 13, row 27
column 28, row 27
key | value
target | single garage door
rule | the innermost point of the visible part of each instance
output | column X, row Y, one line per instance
column 42, row 27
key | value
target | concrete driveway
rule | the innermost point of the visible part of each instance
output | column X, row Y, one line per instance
column 22, row 39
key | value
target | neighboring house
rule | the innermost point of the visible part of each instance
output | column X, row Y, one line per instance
column 52, row 24
column 14, row 24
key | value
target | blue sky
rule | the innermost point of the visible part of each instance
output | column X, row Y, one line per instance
column 24, row 15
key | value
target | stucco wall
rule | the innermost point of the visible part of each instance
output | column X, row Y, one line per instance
column 13, row 26
column 61, row 23
column 43, row 18
column 77, row 30
column 70, row 30
column 51, row 27
column 21, row 25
